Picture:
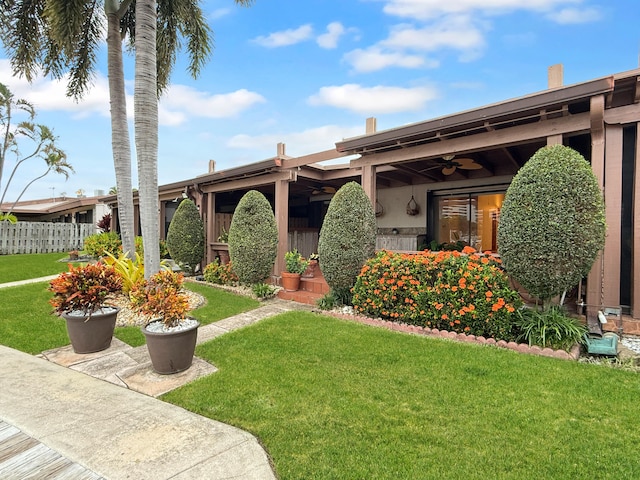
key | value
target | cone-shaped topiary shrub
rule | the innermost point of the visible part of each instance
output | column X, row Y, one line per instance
column 347, row 238
column 552, row 222
column 253, row 238
column 185, row 239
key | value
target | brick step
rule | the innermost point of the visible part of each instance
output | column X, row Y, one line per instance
column 314, row 285
column 300, row 296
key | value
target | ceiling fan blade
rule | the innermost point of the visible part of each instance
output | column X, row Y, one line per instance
column 468, row 164
column 448, row 170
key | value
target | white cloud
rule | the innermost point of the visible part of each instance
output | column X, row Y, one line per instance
column 574, row 15
column 455, row 32
column 373, row 59
column 373, row 100
column 297, row 143
column 47, row 94
column 329, row 40
column 180, row 101
column 426, row 9
column 285, row 37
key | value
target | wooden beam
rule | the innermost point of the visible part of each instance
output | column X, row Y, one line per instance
column 413, row 171
column 626, row 114
column 249, row 182
column 492, row 139
column 312, row 158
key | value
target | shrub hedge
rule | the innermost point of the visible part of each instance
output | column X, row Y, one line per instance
column 185, row 238
column 552, row 222
column 100, row 244
column 347, row 238
column 462, row 292
column 253, row 238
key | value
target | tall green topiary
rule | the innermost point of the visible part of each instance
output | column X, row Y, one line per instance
column 552, row 222
column 185, row 239
column 253, row 238
column 347, row 238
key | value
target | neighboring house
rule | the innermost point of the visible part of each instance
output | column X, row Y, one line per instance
column 60, row 209
column 456, row 169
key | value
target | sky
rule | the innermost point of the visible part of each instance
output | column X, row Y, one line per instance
column 309, row 74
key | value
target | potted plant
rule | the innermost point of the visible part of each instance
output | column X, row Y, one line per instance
column 310, row 272
column 79, row 297
column 171, row 336
column 295, row 266
column 223, row 253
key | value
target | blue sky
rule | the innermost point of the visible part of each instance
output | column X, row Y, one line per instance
column 309, row 73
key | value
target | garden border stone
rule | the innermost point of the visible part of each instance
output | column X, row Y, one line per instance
column 574, row 354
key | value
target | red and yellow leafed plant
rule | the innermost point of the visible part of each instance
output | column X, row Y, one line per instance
column 162, row 297
column 458, row 291
column 84, row 288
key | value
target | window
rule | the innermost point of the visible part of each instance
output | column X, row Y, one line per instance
column 471, row 218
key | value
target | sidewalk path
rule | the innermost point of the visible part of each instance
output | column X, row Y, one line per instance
column 73, row 410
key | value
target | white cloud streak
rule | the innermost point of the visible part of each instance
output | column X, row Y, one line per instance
column 568, row 16
column 428, row 9
column 373, row 100
column 286, row 37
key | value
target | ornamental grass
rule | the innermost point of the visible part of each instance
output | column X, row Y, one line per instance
column 466, row 292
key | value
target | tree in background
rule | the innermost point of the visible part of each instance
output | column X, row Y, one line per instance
column 253, row 238
column 552, row 222
column 38, row 138
column 347, row 239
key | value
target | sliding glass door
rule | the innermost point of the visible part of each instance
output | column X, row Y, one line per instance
column 470, row 218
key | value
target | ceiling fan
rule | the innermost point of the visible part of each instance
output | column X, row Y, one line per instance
column 449, row 165
column 324, row 189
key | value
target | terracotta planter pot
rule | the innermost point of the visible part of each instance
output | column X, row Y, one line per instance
column 290, row 281
column 171, row 352
column 93, row 334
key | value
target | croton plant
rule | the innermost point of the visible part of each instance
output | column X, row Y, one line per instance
column 84, row 288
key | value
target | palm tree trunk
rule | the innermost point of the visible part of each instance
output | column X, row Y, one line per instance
column 120, row 143
column 146, row 131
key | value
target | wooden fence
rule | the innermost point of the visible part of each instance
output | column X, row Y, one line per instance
column 43, row 237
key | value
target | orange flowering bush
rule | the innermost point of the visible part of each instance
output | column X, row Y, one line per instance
column 458, row 291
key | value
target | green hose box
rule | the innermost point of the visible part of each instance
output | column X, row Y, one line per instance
column 607, row 344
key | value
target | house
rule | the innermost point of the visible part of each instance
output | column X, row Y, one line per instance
column 79, row 209
column 444, row 179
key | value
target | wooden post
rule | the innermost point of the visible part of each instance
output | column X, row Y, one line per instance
column 594, row 279
column 635, row 274
column 613, row 206
column 211, row 225
column 369, row 183
column 282, row 221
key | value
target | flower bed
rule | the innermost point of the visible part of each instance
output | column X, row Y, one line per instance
column 462, row 292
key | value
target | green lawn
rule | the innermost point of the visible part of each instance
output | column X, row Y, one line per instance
column 26, row 322
column 23, row 267
column 331, row 399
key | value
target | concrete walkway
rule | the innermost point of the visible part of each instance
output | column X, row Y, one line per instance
column 91, row 410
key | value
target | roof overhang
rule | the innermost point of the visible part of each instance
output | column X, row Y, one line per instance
column 483, row 117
